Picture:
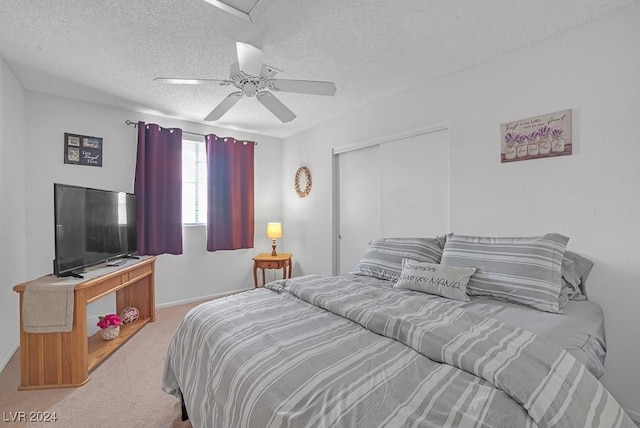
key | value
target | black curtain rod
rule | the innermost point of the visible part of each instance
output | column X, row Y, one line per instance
column 135, row 125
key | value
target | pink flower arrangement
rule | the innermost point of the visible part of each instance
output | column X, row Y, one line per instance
column 109, row 320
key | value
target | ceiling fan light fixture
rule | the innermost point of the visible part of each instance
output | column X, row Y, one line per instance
column 249, row 89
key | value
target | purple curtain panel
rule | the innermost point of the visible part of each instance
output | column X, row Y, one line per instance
column 158, row 189
column 230, row 193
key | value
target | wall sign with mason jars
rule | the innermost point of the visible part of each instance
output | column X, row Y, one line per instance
column 536, row 137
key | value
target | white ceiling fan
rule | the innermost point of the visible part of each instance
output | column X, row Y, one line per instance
column 252, row 77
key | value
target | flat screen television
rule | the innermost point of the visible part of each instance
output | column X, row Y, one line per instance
column 92, row 226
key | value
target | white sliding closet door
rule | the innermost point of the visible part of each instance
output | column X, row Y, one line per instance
column 414, row 186
column 398, row 188
column 359, row 204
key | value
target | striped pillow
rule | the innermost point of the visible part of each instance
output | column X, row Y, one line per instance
column 575, row 271
column 523, row 270
column 383, row 258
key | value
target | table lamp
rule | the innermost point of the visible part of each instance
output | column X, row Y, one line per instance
column 274, row 231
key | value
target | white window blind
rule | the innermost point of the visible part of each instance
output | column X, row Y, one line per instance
column 122, row 208
column 194, row 182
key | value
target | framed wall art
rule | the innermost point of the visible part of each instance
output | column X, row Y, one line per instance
column 537, row 137
column 82, row 150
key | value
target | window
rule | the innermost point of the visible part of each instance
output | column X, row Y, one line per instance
column 194, row 182
column 122, row 208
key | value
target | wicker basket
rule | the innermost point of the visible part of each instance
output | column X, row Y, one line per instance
column 111, row 332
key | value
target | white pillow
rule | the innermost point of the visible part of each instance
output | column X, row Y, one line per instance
column 446, row 281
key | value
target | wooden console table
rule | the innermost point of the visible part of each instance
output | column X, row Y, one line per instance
column 59, row 360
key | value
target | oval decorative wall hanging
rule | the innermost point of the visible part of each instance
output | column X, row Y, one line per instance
column 302, row 182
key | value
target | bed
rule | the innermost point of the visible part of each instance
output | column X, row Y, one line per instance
column 358, row 350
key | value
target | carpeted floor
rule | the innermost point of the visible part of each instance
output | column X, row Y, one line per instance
column 124, row 391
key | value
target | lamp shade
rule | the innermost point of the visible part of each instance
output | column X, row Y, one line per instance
column 274, row 230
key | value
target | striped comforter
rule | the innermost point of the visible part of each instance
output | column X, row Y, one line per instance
column 351, row 351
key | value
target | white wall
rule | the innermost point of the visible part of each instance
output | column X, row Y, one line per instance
column 12, row 207
column 591, row 196
column 32, row 128
column 190, row 276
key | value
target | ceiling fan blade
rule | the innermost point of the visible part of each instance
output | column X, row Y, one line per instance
column 275, row 106
column 180, row 81
column 224, row 106
column 249, row 59
column 303, row 86
column 234, row 69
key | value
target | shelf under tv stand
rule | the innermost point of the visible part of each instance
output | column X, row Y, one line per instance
column 65, row 359
column 100, row 349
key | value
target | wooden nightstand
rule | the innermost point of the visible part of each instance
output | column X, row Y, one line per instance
column 267, row 261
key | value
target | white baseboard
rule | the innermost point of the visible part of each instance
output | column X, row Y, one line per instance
column 201, row 298
column 93, row 320
column 92, row 328
column 8, row 357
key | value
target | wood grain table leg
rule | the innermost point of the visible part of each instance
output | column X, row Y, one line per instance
column 255, row 274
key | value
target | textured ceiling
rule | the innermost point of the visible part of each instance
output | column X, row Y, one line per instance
column 109, row 51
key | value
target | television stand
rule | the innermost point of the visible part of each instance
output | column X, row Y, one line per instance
column 65, row 359
column 130, row 256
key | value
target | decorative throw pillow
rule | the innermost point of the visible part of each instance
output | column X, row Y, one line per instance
column 446, row 281
column 563, row 298
column 524, row 270
column 383, row 258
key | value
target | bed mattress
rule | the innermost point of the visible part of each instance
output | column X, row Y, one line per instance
column 353, row 351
